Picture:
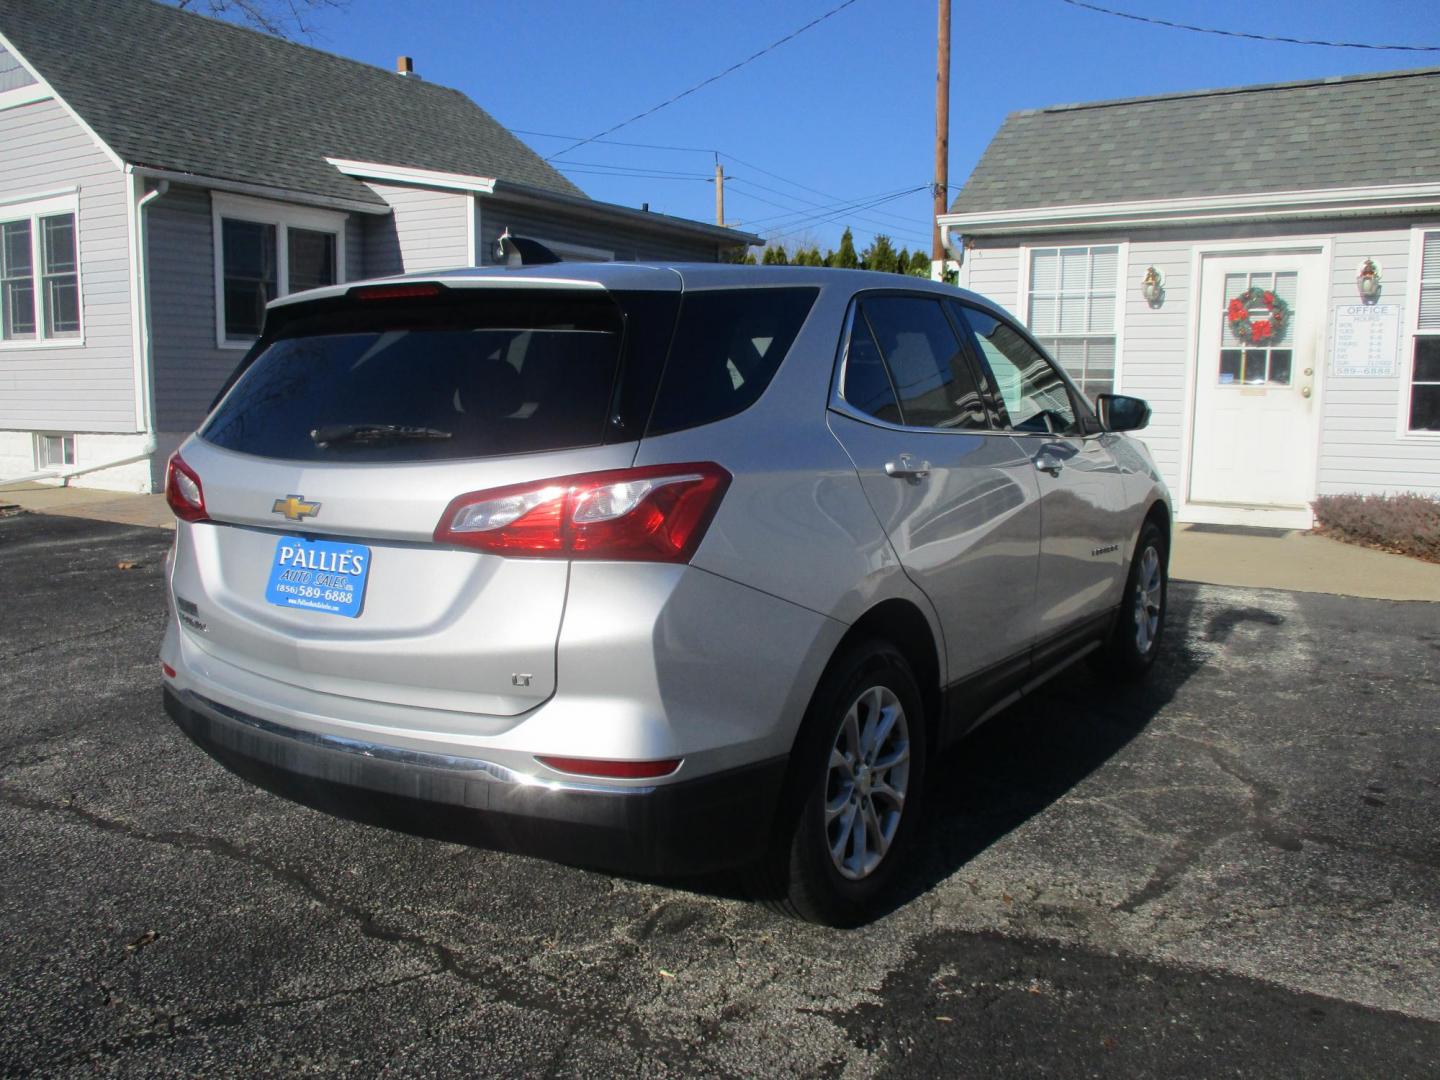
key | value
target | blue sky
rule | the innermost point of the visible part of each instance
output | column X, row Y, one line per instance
column 845, row 112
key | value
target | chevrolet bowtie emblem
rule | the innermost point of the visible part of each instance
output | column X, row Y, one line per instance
column 295, row 507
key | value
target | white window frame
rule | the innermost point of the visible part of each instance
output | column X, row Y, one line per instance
column 67, row 442
column 1122, row 275
column 283, row 216
column 1411, row 333
column 34, row 208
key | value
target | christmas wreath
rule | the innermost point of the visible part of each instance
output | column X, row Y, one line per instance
column 1258, row 331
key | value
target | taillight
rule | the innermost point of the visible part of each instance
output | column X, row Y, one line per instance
column 658, row 513
column 183, row 491
column 616, row 770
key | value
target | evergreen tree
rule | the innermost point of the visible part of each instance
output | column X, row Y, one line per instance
column 881, row 256
column 809, row 257
column 845, row 258
column 919, row 265
column 775, row 256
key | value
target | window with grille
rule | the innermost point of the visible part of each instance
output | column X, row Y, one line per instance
column 39, row 273
column 1072, row 305
column 1425, row 369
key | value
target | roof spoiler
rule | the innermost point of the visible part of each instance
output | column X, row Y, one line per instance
column 522, row 251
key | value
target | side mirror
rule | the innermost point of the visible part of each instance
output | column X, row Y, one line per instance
column 1118, row 412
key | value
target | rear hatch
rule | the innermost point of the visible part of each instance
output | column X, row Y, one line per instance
column 329, row 463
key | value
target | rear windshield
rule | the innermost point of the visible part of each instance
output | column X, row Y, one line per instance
column 478, row 376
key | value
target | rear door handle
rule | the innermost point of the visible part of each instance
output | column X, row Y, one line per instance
column 906, row 467
column 1047, row 463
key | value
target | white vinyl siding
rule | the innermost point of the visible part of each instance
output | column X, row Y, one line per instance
column 426, row 230
column 12, row 75
column 83, row 381
column 572, row 234
column 1071, row 302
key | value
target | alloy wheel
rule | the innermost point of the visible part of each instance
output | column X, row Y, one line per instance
column 1149, row 593
column 868, row 778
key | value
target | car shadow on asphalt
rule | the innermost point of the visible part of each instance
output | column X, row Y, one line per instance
column 992, row 782
column 1028, row 757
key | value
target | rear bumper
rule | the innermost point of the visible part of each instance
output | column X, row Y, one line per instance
column 693, row 826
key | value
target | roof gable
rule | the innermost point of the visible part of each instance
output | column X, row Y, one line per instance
column 1366, row 130
column 173, row 90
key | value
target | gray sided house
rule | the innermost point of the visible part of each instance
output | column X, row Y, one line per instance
column 1261, row 263
column 163, row 174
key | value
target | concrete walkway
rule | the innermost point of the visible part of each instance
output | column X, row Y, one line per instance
column 116, row 506
column 1247, row 557
column 1298, row 562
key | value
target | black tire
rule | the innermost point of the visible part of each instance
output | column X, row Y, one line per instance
column 799, row 876
column 1131, row 649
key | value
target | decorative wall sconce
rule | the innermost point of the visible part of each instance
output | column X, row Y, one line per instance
column 1153, row 287
column 1368, row 281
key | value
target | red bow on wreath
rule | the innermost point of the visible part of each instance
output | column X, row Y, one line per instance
column 1259, row 331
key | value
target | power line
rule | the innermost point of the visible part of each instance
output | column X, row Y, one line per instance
column 617, row 142
column 713, row 78
column 623, row 169
column 884, row 226
column 1244, row 34
column 899, row 222
column 788, row 227
column 891, row 222
column 862, row 203
column 636, row 176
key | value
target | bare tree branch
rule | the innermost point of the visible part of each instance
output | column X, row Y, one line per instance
column 284, row 18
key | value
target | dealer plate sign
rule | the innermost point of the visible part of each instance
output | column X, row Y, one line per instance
column 319, row 575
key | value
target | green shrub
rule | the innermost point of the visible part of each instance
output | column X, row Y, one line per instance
column 1406, row 523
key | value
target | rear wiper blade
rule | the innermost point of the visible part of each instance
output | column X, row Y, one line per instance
column 336, row 434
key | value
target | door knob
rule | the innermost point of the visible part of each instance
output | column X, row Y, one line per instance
column 1047, row 464
column 1305, row 391
column 907, row 468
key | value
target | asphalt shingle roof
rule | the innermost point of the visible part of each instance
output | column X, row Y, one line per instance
column 1343, row 132
column 174, row 90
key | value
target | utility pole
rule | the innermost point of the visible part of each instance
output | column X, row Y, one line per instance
column 942, row 139
column 719, row 193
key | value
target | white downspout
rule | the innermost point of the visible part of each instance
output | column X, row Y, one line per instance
column 142, row 281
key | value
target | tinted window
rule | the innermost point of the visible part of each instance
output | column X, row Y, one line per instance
column 1035, row 395
column 867, row 385
column 472, row 377
column 728, row 345
column 931, row 374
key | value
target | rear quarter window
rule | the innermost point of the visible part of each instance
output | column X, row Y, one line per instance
column 728, row 345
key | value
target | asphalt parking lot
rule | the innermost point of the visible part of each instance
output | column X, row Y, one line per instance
column 1233, row 870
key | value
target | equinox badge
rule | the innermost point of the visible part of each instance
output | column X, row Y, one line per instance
column 295, row 507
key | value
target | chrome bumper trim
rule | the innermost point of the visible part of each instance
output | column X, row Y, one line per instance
column 476, row 768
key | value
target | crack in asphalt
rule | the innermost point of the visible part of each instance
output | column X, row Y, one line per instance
column 1259, row 819
column 493, row 979
column 50, row 644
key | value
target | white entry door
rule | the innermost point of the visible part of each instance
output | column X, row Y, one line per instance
column 1257, row 406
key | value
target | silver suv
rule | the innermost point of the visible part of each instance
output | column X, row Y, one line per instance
column 654, row 568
